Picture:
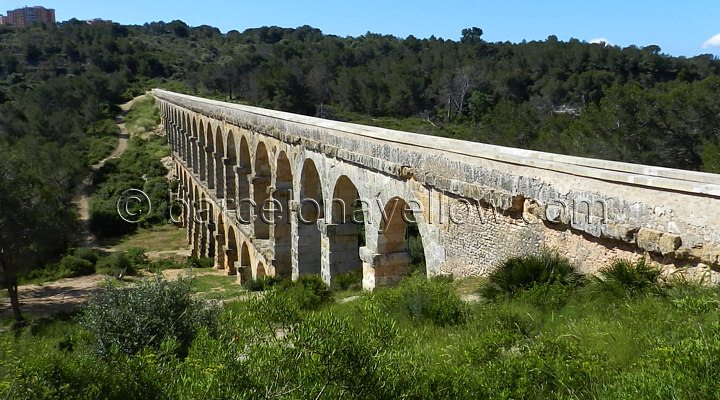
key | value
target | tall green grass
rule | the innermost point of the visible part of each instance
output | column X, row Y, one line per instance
column 415, row 341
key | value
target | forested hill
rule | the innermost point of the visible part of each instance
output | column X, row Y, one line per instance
column 633, row 104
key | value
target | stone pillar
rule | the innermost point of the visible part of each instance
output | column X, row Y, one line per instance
column 343, row 248
column 212, row 241
column 219, row 253
column 210, row 167
column 201, row 156
column 383, row 269
column 196, row 252
column 219, row 176
column 230, row 192
column 281, row 231
column 230, row 257
column 243, row 194
column 203, row 247
column 194, row 155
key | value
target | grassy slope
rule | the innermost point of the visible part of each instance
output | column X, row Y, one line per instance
column 596, row 346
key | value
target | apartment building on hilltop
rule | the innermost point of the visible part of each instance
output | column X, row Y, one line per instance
column 28, row 16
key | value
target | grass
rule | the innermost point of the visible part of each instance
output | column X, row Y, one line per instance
column 157, row 238
column 376, row 346
column 218, row 287
column 142, row 118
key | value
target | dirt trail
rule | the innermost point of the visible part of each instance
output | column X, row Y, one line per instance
column 44, row 300
column 84, row 191
column 68, row 294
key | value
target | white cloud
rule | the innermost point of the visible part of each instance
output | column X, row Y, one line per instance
column 601, row 40
column 712, row 42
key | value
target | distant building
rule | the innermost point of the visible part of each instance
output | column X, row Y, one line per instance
column 96, row 20
column 30, row 15
column 3, row 20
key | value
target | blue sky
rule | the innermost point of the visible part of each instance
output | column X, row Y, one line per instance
column 679, row 28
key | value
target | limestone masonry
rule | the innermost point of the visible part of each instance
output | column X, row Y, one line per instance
column 475, row 204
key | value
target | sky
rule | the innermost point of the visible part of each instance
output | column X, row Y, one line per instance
column 680, row 28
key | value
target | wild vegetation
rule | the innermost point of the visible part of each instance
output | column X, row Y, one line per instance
column 418, row 340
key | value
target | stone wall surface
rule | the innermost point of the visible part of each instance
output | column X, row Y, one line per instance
column 476, row 204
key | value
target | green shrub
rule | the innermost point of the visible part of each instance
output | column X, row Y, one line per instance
column 309, row 292
column 163, row 264
column 625, row 278
column 197, row 262
column 88, row 253
column 258, row 285
column 76, row 266
column 69, row 266
column 115, row 264
column 137, row 256
column 519, row 273
column 348, row 281
column 146, row 314
column 422, row 299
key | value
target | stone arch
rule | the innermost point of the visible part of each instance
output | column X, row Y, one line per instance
column 219, row 167
column 245, row 272
column 230, row 162
column 311, row 212
column 244, row 169
column 282, row 227
column 194, row 144
column 343, row 231
column 202, row 153
column 204, row 213
column 194, row 233
column 261, row 183
column 231, row 253
column 220, row 241
column 392, row 242
column 260, row 270
column 210, row 158
column 210, row 217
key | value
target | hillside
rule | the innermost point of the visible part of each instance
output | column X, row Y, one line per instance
column 633, row 104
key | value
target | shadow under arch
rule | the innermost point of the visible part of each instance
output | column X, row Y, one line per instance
column 282, row 227
column 309, row 215
column 398, row 230
column 261, row 183
column 245, row 271
column 344, row 230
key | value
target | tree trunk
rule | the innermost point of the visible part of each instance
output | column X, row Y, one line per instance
column 13, row 289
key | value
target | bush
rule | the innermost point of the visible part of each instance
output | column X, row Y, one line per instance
column 88, row 253
column 519, row 273
column 146, row 314
column 309, row 292
column 626, row 278
column 114, row 265
column 348, row 281
column 137, row 256
column 422, row 299
column 258, row 285
column 196, row 262
column 68, row 267
column 161, row 265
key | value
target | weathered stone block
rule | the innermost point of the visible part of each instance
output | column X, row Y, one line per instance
column 649, row 240
column 669, row 243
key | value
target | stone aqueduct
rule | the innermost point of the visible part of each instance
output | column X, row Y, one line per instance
column 473, row 204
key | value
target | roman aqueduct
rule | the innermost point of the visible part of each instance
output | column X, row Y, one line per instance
column 274, row 193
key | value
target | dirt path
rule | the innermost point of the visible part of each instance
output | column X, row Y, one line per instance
column 64, row 295
column 84, row 191
column 68, row 294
